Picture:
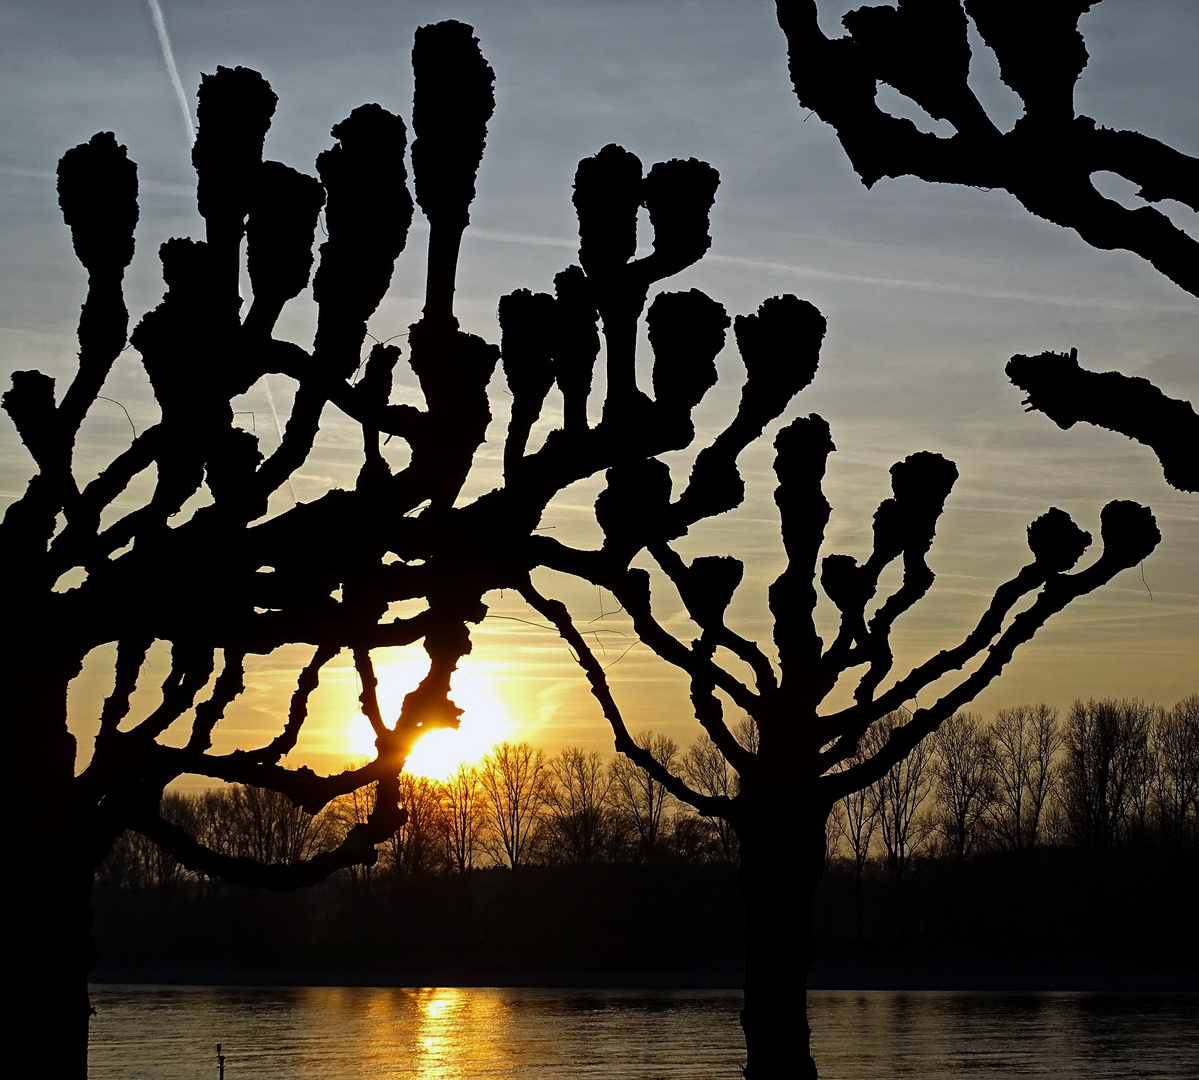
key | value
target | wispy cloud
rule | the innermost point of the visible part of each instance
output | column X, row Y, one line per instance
column 955, row 288
column 168, row 57
column 159, row 187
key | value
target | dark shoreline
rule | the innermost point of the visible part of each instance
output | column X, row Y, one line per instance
column 866, row 976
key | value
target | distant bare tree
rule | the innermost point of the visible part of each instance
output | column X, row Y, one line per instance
column 135, row 864
column 707, row 771
column 347, row 812
column 639, row 797
column 1024, row 741
column 1107, row 744
column 417, row 847
column 574, row 798
column 1142, row 818
column 899, row 794
column 511, row 776
column 256, row 823
column 963, row 782
column 1175, row 743
column 855, row 817
column 463, row 816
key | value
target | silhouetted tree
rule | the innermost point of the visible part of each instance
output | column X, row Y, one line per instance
column 1175, row 743
column 575, row 811
column 855, row 817
column 1022, row 743
column 921, row 49
column 135, row 864
column 639, row 798
column 899, row 796
column 790, row 781
column 511, row 776
column 343, row 814
column 706, row 770
column 963, row 784
column 215, row 563
column 418, row 847
column 204, row 566
column 463, row 816
column 1106, row 744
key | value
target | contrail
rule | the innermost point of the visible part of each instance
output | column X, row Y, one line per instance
column 168, row 57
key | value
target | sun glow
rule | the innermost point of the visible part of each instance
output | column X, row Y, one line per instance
column 485, row 718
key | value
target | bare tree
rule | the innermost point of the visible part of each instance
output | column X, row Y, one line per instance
column 1107, row 743
column 790, row 781
column 1024, row 741
column 575, row 809
column 1175, row 743
column 135, row 864
column 639, row 797
column 345, row 813
column 1143, row 780
column 219, row 564
column 704, row 767
column 963, row 785
column 417, row 847
column 855, row 817
column 899, row 794
column 463, row 816
column 511, row 776
column 921, row 49
column 209, row 563
column 207, row 566
column 264, row 825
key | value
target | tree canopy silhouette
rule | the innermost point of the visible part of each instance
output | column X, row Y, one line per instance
column 1046, row 161
column 805, row 760
column 204, row 566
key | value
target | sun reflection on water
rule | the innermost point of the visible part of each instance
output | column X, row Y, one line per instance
column 458, row 1030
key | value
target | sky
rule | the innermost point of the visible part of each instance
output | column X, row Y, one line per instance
column 928, row 290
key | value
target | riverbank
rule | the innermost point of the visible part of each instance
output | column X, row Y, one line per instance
column 865, row 974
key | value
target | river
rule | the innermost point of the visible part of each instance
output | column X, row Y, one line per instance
column 324, row 1033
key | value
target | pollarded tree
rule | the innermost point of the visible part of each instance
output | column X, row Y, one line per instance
column 1046, row 161
column 798, row 769
column 200, row 564
column 208, row 565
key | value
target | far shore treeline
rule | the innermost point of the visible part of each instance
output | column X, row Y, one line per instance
column 1035, row 848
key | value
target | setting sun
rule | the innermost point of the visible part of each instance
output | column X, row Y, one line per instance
column 485, row 718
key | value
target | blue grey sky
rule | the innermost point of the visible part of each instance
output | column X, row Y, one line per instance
column 928, row 290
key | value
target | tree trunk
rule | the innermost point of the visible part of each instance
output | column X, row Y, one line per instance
column 51, row 925
column 777, row 880
column 49, row 879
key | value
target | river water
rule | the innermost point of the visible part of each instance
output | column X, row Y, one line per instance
column 323, row 1033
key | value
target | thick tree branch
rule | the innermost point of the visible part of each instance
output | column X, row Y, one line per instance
column 1066, row 392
